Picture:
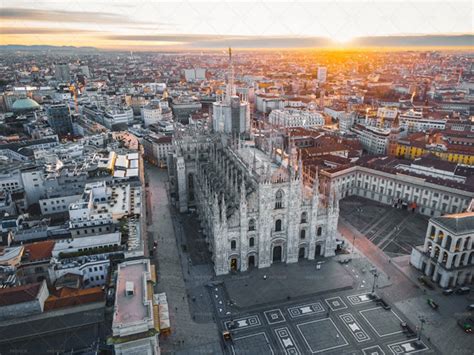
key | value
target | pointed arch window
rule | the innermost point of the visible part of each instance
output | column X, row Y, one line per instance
column 279, row 199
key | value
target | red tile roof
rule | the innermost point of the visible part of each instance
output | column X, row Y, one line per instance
column 19, row 294
column 70, row 297
column 39, row 250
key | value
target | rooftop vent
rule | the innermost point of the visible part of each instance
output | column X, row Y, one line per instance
column 129, row 287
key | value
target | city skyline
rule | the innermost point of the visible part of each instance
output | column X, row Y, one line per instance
column 175, row 25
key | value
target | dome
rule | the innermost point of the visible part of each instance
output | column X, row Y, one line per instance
column 25, row 105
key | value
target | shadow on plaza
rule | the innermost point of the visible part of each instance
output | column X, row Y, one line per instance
column 285, row 282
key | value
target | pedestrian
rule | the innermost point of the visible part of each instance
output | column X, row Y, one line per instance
column 176, row 309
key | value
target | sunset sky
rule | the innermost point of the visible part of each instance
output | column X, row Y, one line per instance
column 139, row 24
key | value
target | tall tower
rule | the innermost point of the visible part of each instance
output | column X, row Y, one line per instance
column 231, row 114
column 393, row 137
column 62, row 72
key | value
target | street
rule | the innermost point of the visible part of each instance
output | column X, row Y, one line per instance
column 188, row 336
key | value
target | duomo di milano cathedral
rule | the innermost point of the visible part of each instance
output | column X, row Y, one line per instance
column 253, row 204
column 254, row 210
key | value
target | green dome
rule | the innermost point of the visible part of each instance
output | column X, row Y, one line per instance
column 25, row 105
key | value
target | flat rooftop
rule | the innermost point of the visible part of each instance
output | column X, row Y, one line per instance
column 131, row 309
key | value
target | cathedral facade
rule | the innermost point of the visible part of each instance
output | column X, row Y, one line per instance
column 253, row 210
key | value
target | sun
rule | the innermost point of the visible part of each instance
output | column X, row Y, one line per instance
column 341, row 37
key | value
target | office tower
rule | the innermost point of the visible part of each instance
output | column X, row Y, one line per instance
column 62, row 72
column 59, row 119
column 322, row 74
column 231, row 113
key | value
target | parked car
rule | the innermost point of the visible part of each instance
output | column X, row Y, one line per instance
column 463, row 290
column 466, row 324
column 470, row 307
column 383, row 304
column 407, row 330
column 448, row 291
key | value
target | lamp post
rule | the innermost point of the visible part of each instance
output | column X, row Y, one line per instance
column 374, row 285
column 422, row 321
column 359, row 211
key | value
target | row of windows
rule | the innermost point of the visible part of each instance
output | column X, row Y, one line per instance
column 390, row 183
column 54, row 208
column 52, row 202
column 97, row 278
column 6, row 184
column 96, row 268
column 233, row 243
column 304, row 219
column 92, row 230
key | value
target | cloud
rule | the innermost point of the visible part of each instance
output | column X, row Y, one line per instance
column 62, row 16
column 40, row 30
column 163, row 38
column 214, row 41
column 416, row 41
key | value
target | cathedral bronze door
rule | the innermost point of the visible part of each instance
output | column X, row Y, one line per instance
column 233, row 264
column 301, row 253
column 277, row 253
column 317, row 252
column 251, row 261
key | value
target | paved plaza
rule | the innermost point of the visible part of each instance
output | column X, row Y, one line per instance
column 283, row 282
column 394, row 231
column 344, row 322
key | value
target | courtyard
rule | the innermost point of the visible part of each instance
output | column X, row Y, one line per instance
column 394, row 231
column 337, row 323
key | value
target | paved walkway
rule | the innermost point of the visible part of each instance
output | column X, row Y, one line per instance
column 405, row 288
column 440, row 328
column 187, row 335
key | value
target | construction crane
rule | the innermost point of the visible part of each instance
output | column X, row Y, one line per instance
column 382, row 119
column 74, row 89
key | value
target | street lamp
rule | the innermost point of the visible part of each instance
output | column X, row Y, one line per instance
column 422, row 321
column 359, row 211
column 376, row 275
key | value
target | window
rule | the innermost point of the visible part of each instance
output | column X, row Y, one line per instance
column 252, row 242
column 304, row 217
column 251, row 224
column 320, row 231
column 278, row 225
column 303, row 234
column 279, row 199
column 233, row 244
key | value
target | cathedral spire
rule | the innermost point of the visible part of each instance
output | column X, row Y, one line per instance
column 230, row 89
column 215, row 208
column 300, row 168
column 223, row 210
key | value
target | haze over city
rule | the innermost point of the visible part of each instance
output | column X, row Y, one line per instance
column 169, row 25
